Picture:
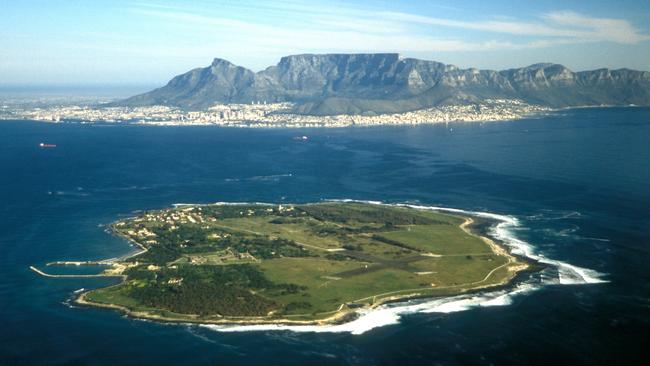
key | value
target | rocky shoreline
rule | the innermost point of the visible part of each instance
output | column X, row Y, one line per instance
column 345, row 313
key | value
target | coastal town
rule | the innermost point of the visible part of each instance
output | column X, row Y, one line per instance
column 270, row 115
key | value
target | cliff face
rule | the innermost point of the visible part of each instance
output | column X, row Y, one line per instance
column 384, row 82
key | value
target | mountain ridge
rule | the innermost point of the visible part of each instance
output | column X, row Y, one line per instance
column 374, row 83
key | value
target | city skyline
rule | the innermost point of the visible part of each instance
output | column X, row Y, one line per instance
column 137, row 43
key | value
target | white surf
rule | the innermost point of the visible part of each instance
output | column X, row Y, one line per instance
column 388, row 314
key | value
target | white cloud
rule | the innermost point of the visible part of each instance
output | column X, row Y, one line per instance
column 180, row 35
column 294, row 29
column 565, row 24
column 597, row 29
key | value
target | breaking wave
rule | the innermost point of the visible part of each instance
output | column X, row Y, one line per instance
column 503, row 231
column 390, row 314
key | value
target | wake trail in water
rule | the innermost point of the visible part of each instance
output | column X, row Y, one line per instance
column 260, row 178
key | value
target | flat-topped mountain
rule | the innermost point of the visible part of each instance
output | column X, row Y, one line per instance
column 386, row 83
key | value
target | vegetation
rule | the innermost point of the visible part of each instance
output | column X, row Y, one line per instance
column 295, row 262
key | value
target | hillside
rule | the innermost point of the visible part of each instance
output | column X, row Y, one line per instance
column 385, row 83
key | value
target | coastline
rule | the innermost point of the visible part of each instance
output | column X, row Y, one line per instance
column 289, row 126
column 280, row 116
column 495, row 227
column 344, row 314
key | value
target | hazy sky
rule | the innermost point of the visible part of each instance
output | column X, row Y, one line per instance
column 149, row 41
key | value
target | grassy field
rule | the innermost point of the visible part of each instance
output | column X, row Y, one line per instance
column 296, row 261
column 439, row 239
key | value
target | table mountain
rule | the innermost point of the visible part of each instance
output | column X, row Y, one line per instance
column 384, row 83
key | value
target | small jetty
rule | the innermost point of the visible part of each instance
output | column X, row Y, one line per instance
column 71, row 275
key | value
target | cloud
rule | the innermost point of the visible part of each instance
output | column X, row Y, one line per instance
column 150, row 39
column 564, row 24
column 290, row 27
column 597, row 29
column 323, row 33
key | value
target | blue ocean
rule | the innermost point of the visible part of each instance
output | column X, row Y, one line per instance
column 574, row 187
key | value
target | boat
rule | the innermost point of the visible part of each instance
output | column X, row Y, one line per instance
column 301, row 138
column 43, row 145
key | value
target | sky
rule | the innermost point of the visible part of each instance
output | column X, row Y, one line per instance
column 146, row 42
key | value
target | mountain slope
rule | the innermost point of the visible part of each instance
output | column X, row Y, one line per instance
column 384, row 83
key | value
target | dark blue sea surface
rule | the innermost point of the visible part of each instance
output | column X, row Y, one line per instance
column 577, row 181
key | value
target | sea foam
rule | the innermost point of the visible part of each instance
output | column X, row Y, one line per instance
column 388, row 314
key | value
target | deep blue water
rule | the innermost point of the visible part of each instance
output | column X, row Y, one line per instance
column 578, row 181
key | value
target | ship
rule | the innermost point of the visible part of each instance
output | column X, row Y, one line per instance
column 43, row 145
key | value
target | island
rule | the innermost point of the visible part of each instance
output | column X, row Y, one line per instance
column 295, row 264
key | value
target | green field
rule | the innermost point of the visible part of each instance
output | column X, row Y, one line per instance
column 295, row 262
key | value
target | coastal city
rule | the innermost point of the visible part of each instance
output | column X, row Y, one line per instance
column 269, row 115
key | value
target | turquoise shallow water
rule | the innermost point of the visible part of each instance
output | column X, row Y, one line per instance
column 577, row 181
